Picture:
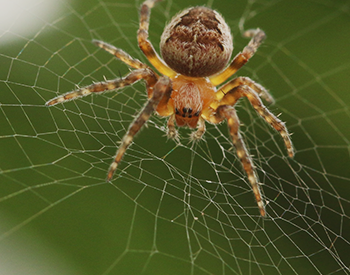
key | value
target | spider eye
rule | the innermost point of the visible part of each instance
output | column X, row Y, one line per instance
column 187, row 112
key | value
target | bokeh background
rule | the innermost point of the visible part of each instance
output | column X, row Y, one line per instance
column 171, row 208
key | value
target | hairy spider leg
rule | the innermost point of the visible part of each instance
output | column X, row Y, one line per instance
column 108, row 85
column 244, row 80
column 197, row 135
column 227, row 97
column 235, row 93
column 241, row 58
column 145, row 45
column 172, row 132
column 229, row 112
column 161, row 89
column 121, row 55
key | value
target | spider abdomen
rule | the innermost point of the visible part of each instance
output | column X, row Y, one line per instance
column 197, row 42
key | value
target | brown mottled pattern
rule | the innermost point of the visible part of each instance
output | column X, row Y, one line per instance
column 197, row 42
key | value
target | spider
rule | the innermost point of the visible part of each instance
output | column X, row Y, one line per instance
column 196, row 47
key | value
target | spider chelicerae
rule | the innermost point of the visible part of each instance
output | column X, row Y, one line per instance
column 196, row 47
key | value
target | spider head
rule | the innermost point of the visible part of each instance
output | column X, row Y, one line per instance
column 187, row 117
column 197, row 42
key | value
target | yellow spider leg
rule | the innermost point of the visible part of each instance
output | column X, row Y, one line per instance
column 132, row 77
column 241, row 58
column 120, row 54
column 229, row 113
column 145, row 45
column 243, row 80
column 161, row 88
column 236, row 93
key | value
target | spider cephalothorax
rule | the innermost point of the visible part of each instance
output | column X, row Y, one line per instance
column 196, row 47
column 190, row 97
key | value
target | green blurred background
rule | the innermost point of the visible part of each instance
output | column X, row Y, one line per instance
column 59, row 216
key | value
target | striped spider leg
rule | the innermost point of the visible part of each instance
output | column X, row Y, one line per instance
column 156, row 87
column 233, row 91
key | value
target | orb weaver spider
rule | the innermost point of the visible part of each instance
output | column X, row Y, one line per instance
column 196, row 47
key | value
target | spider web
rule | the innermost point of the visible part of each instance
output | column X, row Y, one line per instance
column 171, row 208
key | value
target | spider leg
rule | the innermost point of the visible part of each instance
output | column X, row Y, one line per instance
column 132, row 77
column 229, row 113
column 145, row 45
column 258, row 36
column 120, row 54
column 160, row 89
column 243, row 80
column 197, row 135
column 172, row 132
column 236, row 93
